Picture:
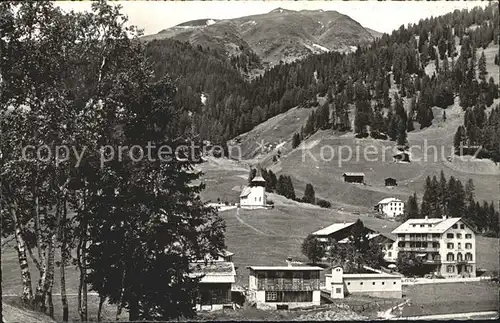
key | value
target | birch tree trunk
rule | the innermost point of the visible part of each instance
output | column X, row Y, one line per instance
column 27, row 296
column 64, row 252
column 50, row 273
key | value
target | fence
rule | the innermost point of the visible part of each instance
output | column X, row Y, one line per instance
column 379, row 304
column 421, row 281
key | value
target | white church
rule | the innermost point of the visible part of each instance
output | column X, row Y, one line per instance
column 254, row 196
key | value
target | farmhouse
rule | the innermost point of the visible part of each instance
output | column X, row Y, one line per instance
column 390, row 207
column 254, row 196
column 283, row 287
column 389, row 181
column 216, row 281
column 446, row 245
column 342, row 231
column 372, row 284
column 354, row 178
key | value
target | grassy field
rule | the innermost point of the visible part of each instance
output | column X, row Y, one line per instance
column 451, row 298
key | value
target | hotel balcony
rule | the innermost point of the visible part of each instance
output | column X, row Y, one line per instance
column 436, row 239
column 432, row 262
column 421, row 249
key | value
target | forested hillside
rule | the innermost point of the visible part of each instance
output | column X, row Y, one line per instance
column 362, row 78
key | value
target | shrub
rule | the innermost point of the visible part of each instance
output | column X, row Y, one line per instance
column 323, row 203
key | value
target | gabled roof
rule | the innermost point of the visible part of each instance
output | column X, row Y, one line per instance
column 389, row 200
column 284, row 268
column 353, row 174
column 258, row 179
column 432, row 225
column 332, row 228
column 213, row 272
column 246, row 191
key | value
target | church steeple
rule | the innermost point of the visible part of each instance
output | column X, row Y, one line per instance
column 258, row 180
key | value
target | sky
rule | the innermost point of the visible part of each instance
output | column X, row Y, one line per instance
column 382, row 16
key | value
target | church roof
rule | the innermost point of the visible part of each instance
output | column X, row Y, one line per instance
column 258, row 179
column 246, row 191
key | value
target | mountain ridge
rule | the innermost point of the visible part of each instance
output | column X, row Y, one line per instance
column 279, row 35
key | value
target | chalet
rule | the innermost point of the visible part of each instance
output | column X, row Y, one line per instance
column 370, row 284
column 217, row 278
column 254, row 196
column 389, row 181
column 341, row 232
column 390, row 207
column 354, row 178
column 403, row 157
column 215, row 285
column 283, row 287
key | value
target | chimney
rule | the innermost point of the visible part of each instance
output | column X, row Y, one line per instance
column 426, row 217
column 444, row 217
column 289, row 261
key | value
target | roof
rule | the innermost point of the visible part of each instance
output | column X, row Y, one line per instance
column 225, row 253
column 371, row 276
column 214, row 272
column 387, row 178
column 258, row 179
column 284, row 268
column 246, row 191
column 373, row 235
column 389, row 200
column 332, row 228
column 353, row 174
column 433, row 225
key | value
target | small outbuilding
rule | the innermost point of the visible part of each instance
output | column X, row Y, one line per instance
column 354, row 178
column 389, row 181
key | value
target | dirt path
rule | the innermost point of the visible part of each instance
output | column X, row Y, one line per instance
column 236, row 215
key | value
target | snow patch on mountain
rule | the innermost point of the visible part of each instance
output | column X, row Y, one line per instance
column 210, row 22
column 321, row 47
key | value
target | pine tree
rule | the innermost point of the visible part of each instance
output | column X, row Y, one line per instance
column 482, row 68
column 411, row 209
column 309, row 195
column 295, row 140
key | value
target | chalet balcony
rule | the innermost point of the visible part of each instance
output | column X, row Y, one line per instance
column 432, row 262
column 287, row 285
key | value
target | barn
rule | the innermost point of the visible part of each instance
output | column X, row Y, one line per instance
column 354, row 178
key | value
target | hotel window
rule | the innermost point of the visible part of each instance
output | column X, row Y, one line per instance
column 450, row 257
column 455, row 226
column 306, row 275
column 468, row 256
column 338, row 290
column 462, row 226
column 259, row 198
column 349, row 283
column 389, row 254
column 468, row 268
column 373, row 283
column 450, row 269
column 361, row 283
column 468, row 246
column 468, row 236
column 459, row 245
column 449, row 235
column 449, row 245
column 421, row 225
column 459, row 236
column 459, row 257
column 394, row 283
column 383, row 283
column 271, row 296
